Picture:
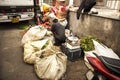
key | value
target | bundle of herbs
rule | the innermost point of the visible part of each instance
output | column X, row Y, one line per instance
column 86, row 42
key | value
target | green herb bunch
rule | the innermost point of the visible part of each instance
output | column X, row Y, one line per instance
column 86, row 43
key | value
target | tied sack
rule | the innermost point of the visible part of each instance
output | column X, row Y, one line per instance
column 32, row 49
column 52, row 67
column 34, row 33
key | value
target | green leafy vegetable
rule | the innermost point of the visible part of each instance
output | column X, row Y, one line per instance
column 45, row 45
column 23, row 27
column 86, row 43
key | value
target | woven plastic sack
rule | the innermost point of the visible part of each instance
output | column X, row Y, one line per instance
column 32, row 50
column 34, row 33
column 52, row 67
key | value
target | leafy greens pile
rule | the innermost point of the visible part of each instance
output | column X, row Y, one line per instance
column 86, row 43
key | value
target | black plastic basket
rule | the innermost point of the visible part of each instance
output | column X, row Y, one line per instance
column 72, row 54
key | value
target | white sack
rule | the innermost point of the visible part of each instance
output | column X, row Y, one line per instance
column 87, row 54
column 34, row 33
column 63, row 22
column 101, row 50
column 52, row 67
column 104, row 50
column 32, row 50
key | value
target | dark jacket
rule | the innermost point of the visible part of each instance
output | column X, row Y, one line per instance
column 86, row 5
column 58, row 31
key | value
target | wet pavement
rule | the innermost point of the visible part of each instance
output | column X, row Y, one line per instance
column 12, row 66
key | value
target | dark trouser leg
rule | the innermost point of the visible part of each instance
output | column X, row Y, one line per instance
column 86, row 10
column 57, row 42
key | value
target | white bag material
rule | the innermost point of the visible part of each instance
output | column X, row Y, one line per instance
column 104, row 50
column 32, row 50
column 63, row 22
column 101, row 50
column 52, row 67
column 34, row 33
column 88, row 53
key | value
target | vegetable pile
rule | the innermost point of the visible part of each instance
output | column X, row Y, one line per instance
column 86, row 43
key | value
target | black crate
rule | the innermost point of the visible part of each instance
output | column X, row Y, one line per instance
column 72, row 54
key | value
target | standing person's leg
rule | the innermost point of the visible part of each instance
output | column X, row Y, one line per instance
column 82, row 5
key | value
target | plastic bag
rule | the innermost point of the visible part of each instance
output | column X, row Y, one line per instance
column 51, row 67
column 32, row 49
column 103, row 50
column 34, row 33
column 45, row 7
